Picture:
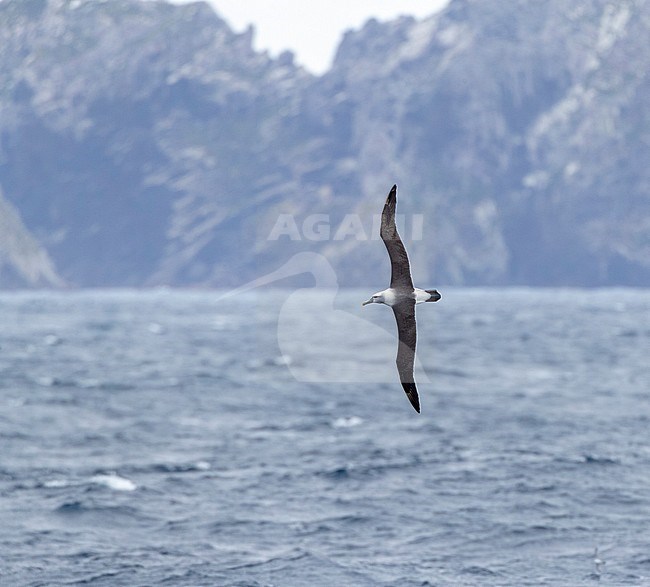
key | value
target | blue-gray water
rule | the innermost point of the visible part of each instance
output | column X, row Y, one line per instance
column 161, row 438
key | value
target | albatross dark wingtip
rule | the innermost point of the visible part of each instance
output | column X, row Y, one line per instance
column 412, row 394
column 392, row 195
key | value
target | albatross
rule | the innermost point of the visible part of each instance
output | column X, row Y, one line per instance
column 402, row 297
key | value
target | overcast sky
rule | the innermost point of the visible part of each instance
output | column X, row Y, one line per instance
column 312, row 29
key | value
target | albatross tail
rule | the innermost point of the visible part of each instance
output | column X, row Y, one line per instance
column 434, row 296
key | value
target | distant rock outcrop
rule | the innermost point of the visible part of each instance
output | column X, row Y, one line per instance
column 22, row 259
column 144, row 143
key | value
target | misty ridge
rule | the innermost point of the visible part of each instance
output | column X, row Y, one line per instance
column 146, row 144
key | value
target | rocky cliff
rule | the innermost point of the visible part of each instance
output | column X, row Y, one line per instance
column 144, row 143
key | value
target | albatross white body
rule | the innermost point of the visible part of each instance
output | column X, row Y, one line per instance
column 402, row 297
column 389, row 296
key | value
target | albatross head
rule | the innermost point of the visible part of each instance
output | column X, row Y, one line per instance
column 381, row 297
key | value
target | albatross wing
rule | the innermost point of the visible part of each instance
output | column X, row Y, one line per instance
column 399, row 262
column 407, row 333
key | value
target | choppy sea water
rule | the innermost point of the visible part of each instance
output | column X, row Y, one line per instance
column 166, row 438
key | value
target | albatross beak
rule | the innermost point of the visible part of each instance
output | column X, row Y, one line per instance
column 368, row 302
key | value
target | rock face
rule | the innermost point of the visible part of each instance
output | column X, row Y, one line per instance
column 22, row 259
column 143, row 143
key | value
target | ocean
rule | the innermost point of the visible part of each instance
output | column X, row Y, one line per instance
column 179, row 438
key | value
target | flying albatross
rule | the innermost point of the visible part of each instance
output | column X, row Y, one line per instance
column 401, row 296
